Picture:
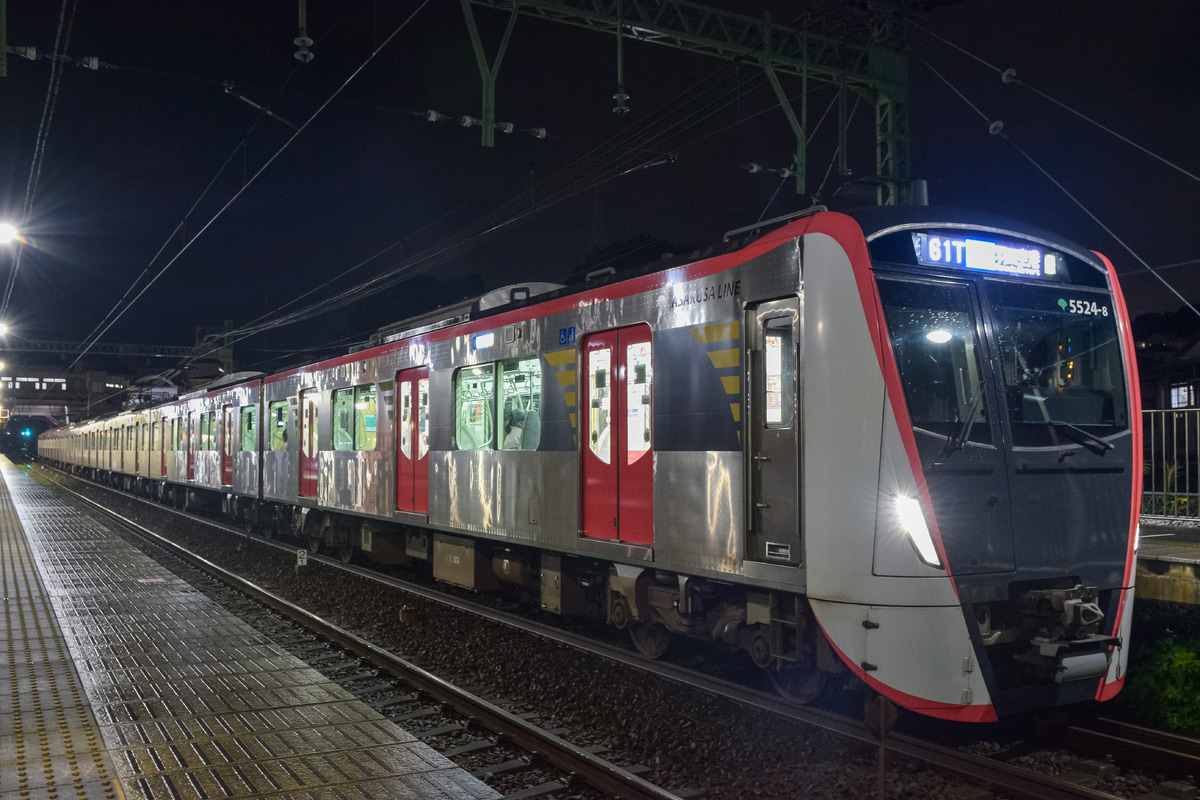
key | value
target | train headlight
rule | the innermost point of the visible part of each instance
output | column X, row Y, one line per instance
column 912, row 519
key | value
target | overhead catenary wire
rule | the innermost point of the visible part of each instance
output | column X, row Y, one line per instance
column 1010, row 76
column 254, row 177
column 996, row 128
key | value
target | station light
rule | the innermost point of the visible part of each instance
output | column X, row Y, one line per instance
column 8, row 233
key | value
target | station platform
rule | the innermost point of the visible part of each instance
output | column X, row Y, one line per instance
column 125, row 682
column 1169, row 562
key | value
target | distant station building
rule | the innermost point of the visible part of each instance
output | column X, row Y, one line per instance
column 45, row 384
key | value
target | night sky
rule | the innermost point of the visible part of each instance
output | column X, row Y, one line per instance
column 153, row 143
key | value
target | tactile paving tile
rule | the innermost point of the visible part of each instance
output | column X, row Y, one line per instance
column 190, row 701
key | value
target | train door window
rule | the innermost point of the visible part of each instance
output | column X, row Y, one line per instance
column 520, row 401
column 937, row 352
column 422, row 417
column 779, row 374
column 145, row 440
column 406, row 419
column 599, row 381
column 638, row 379
column 475, row 423
column 343, row 419
column 155, row 433
column 364, row 417
column 249, row 430
column 277, row 416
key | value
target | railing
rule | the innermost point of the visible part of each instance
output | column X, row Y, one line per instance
column 1171, row 463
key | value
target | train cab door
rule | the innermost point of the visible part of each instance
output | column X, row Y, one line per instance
column 617, row 443
column 190, row 444
column 308, row 442
column 412, row 448
column 774, row 533
column 228, row 440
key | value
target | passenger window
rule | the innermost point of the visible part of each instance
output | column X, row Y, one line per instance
column 343, row 419
column 520, row 403
column 406, row 418
column 475, row 424
column 364, row 417
column 422, row 417
column 278, row 416
column 207, row 439
column 249, row 433
column 779, row 355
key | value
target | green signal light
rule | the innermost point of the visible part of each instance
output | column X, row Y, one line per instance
column 1062, row 304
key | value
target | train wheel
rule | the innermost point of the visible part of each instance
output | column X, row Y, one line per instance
column 314, row 544
column 650, row 638
column 799, row 684
column 346, row 553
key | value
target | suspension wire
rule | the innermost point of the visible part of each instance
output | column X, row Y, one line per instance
column 1010, row 76
column 39, row 148
column 253, row 178
column 996, row 128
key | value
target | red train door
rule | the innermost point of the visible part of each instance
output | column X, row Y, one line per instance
column 617, row 445
column 190, row 444
column 412, row 449
column 228, row 438
column 308, row 442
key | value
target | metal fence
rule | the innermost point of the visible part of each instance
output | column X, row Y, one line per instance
column 1171, row 463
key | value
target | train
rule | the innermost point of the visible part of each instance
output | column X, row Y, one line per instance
column 897, row 444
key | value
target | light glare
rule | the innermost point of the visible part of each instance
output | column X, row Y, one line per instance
column 8, row 232
column 913, row 522
column 938, row 337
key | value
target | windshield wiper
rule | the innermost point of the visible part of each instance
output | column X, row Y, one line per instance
column 1104, row 446
column 958, row 438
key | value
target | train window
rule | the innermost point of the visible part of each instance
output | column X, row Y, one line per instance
column 936, row 350
column 406, row 418
column 364, row 417
column 638, row 381
column 343, row 419
column 422, row 417
column 208, row 439
column 599, row 368
column 249, row 435
column 474, row 400
column 1061, row 359
column 278, row 416
column 779, row 372
column 154, row 435
column 520, row 401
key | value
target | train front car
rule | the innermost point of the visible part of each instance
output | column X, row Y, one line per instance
column 1003, row 526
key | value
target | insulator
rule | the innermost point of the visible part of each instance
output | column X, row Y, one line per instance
column 27, row 52
column 996, row 128
column 434, row 116
column 467, row 122
column 754, row 168
column 90, row 62
column 786, row 172
column 303, row 55
column 504, row 127
column 538, row 133
column 621, row 108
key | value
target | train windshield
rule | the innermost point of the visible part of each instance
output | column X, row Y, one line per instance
column 1061, row 363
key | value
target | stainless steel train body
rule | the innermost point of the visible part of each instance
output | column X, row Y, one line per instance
column 901, row 443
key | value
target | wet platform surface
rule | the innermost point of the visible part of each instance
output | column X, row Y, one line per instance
column 125, row 682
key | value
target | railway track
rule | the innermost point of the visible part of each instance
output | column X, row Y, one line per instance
column 408, row 694
column 991, row 773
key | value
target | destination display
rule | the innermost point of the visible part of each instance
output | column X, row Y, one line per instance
column 972, row 252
